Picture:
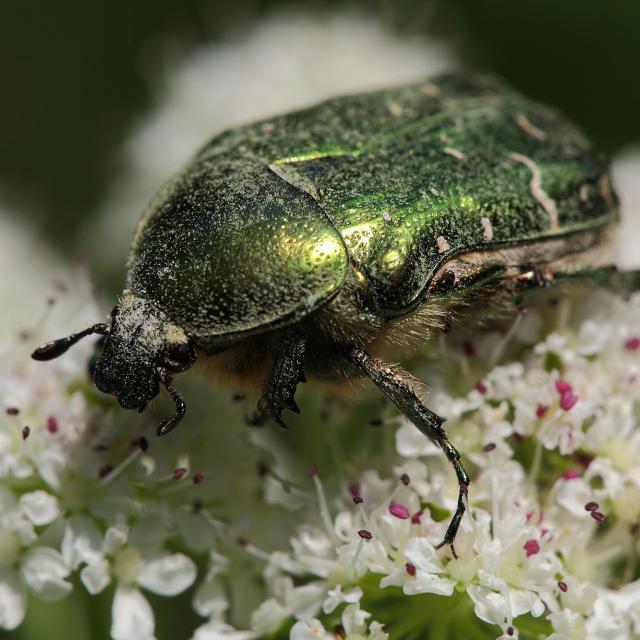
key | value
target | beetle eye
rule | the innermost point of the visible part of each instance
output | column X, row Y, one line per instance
column 179, row 357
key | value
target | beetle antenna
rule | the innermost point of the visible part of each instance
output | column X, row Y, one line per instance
column 170, row 423
column 56, row 348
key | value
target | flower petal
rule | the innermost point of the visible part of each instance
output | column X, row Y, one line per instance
column 12, row 601
column 410, row 443
column 44, row 570
column 354, row 619
column 131, row 615
column 210, row 598
column 218, row 630
column 82, row 541
column 40, row 507
column 305, row 601
column 114, row 539
column 268, row 617
column 336, row 597
column 95, row 577
column 310, row 630
column 167, row 575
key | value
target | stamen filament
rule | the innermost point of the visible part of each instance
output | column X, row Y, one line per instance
column 324, row 507
column 119, row 470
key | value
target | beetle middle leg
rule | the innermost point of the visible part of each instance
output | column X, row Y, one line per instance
column 395, row 387
column 280, row 388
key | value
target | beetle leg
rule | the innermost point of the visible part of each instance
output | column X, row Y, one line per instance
column 612, row 278
column 395, row 387
column 170, row 423
column 609, row 277
column 280, row 389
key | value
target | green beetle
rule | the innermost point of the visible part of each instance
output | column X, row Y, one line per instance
column 294, row 245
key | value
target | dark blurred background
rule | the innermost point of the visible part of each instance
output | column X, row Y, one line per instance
column 75, row 75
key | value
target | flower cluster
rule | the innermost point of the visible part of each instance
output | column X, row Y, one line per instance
column 68, row 489
column 272, row 545
column 327, row 530
column 550, row 544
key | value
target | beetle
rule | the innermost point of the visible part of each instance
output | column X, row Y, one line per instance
column 297, row 245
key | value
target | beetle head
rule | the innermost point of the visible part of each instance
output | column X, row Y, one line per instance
column 141, row 350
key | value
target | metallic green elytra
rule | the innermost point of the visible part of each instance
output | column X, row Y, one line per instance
column 295, row 244
column 268, row 220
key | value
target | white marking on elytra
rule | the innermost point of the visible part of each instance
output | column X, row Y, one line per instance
column 526, row 125
column 289, row 174
column 386, row 216
column 434, row 191
column 456, row 153
column 548, row 203
column 487, row 228
column 443, row 245
column 584, row 192
column 430, row 89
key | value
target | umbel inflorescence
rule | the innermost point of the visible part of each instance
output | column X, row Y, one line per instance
column 327, row 530
column 331, row 529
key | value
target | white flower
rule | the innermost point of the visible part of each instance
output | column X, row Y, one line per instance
column 529, row 548
column 337, row 596
column 310, row 630
column 218, row 630
column 424, row 573
column 116, row 556
column 567, row 625
column 354, row 627
column 12, row 599
column 301, row 602
column 616, row 614
column 42, row 569
column 354, row 621
column 39, row 506
column 132, row 615
column 209, row 599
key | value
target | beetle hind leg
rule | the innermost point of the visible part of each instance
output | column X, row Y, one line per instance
column 279, row 391
column 604, row 277
column 394, row 386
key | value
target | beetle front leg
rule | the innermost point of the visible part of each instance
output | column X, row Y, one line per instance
column 394, row 386
column 280, row 389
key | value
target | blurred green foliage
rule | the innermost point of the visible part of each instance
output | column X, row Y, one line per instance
column 75, row 75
